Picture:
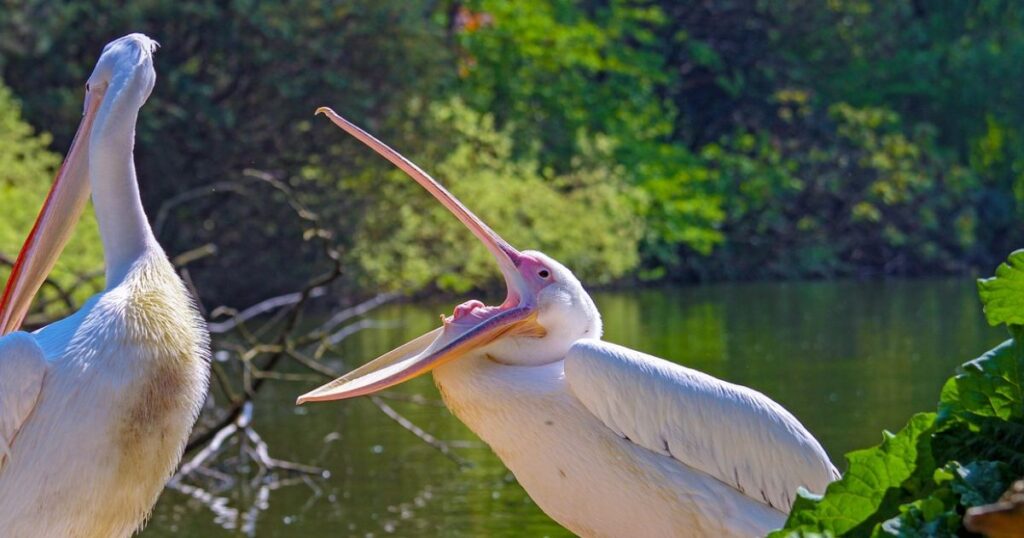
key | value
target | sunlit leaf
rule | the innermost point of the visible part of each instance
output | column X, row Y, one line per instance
column 1003, row 294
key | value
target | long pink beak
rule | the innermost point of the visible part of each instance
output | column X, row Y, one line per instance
column 516, row 316
column 53, row 227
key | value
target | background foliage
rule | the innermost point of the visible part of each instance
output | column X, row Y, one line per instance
column 632, row 139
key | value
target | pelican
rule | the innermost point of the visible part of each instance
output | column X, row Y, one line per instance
column 95, row 408
column 607, row 441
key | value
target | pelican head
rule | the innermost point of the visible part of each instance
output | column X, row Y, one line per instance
column 544, row 312
column 565, row 312
column 128, row 59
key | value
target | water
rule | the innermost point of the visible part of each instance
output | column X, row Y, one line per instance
column 848, row 358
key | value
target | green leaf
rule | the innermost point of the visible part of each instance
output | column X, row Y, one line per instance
column 1003, row 294
column 987, row 438
column 990, row 386
column 934, row 516
column 878, row 481
column 980, row 482
column 937, row 515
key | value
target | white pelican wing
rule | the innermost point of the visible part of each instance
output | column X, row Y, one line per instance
column 731, row 432
column 22, row 366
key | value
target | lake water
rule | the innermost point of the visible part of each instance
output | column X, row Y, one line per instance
column 849, row 359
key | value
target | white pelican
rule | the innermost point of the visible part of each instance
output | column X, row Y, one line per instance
column 95, row 409
column 608, row 441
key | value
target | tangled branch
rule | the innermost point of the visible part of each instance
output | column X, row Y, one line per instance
column 251, row 346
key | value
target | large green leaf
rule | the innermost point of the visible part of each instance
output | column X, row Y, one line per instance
column 990, row 386
column 1003, row 294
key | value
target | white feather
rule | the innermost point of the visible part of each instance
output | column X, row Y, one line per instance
column 581, row 473
column 125, row 377
column 22, row 367
column 731, row 432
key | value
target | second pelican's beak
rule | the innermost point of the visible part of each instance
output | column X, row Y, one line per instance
column 54, row 225
column 472, row 326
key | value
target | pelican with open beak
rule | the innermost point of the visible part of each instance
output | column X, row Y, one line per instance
column 472, row 325
column 608, row 441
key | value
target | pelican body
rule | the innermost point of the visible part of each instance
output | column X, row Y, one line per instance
column 95, row 408
column 607, row 441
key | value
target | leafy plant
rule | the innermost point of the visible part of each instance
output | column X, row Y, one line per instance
column 920, row 481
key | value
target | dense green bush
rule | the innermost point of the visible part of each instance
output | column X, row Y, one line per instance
column 844, row 192
column 26, row 172
column 951, row 65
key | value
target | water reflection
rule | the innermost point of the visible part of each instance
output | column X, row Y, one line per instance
column 848, row 358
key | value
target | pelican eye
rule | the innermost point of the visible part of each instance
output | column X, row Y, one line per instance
column 543, row 273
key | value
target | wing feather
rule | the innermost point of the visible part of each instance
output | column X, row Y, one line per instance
column 22, row 367
column 731, row 432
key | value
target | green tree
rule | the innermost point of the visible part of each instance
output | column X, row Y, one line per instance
column 952, row 65
column 560, row 74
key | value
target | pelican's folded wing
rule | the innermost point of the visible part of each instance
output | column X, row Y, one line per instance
column 730, row 432
column 22, row 366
